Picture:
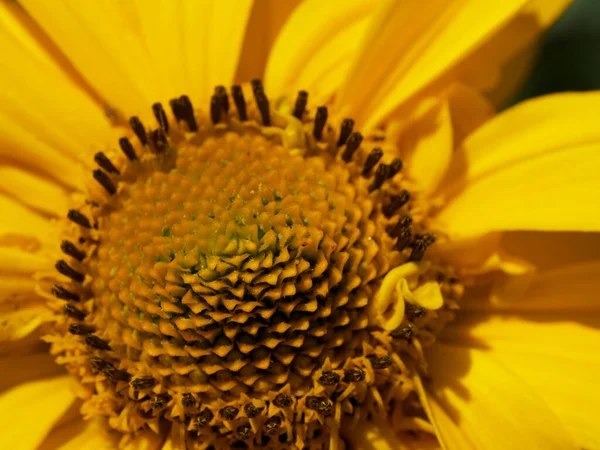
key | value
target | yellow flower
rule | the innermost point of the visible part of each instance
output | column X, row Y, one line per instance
column 254, row 267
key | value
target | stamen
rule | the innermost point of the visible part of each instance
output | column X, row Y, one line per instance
column 69, row 248
column 272, row 425
column 115, row 374
column 353, row 143
column 382, row 362
column 127, row 148
column 396, row 202
column 372, row 159
column 103, row 161
column 380, row 177
column 96, row 342
column 201, row 420
column 160, row 400
column 161, row 117
column 283, row 401
column 143, row 383
column 404, row 238
column 221, row 94
column 79, row 329
column 300, row 106
column 261, row 101
column 215, row 109
column 158, row 140
column 73, row 312
column 320, row 120
column 103, row 178
column 394, row 167
column 75, row 216
column 98, row 363
column 188, row 400
column 346, row 129
column 240, row 102
column 252, row 411
column 420, row 246
column 329, row 378
column 404, row 332
column 354, row 375
column 414, row 311
column 244, row 432
column 63, row 294
column 322, row 405
column 404, row 222
column 229, row 412
column 68, row 271
column 138, row 128
column 183, row 110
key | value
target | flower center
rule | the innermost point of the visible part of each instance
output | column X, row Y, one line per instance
column 255, row 278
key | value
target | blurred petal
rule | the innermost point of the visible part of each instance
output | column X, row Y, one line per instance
column 20, row 220
column 24, row 367
column 318, row 40
column 410, row 44
column 492, row 406
column 30, row 410
column 81, row 435
column 468, row 110
column 531, row 168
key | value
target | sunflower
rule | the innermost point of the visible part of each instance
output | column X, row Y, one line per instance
column 354, row 252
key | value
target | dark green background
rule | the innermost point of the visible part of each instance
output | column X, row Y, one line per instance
column 570, row 56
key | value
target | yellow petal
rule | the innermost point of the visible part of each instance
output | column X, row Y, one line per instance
column 17, row 261
column 555, row 354
column 371, row 435
column 502, row 64
column 18, row 323
column 410, row 44
column 143, row 440
column 34, row 191
column 30, row 410
column 531, row 168
column 20, row 220
column 318, row 37
column 468, row 110
column 64, row 118
column 492, row 406
column 266, row 20
column 137, row 53
column 25, row 367
column 81, row 435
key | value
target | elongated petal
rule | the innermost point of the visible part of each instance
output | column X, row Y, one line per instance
column 468, row 110
column 410, row 44
column 532, row 168
column 30, row 410
column 20, row 220
column 319, row 37
column 81, row 435
column 138, row 53
column 552, row 352
column 492, row 406
column 24, row 367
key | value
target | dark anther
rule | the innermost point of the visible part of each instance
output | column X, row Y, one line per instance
column 69, row 248
column 353, row 143
column 404, row 238
column 188, row 400
column 396, row 202
column 395, row 167
column 63, row 294
column 98, row 363
column 68, row 271
column 322, row 405
column 346, row 129
column 243, row 432
column 161, row 117
column 420, row 246
column 158, row 140
column 221, row 93
column 103, row 161
column 240, row 102
column 329, row 378
column 283, row 401
column 252, row 411
column 372, row 159
column 80, row 329
column 272, row 425
column 354, row 375
column 202, row 419
column 262, row 102
column 380, row 177
column 215, row 109
column 300, row 106
column 229, row 412
column 160, row 400
column 75, row 216
column 96, row 342
column 320, row 120
column 404, row 332
column 414, row 311
column 101, row 177
column 382, row 362
column 143, row 383
column 127, row 148
column 183, row 110
column 138, row 128
column 73, row 312
column 115, row 374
